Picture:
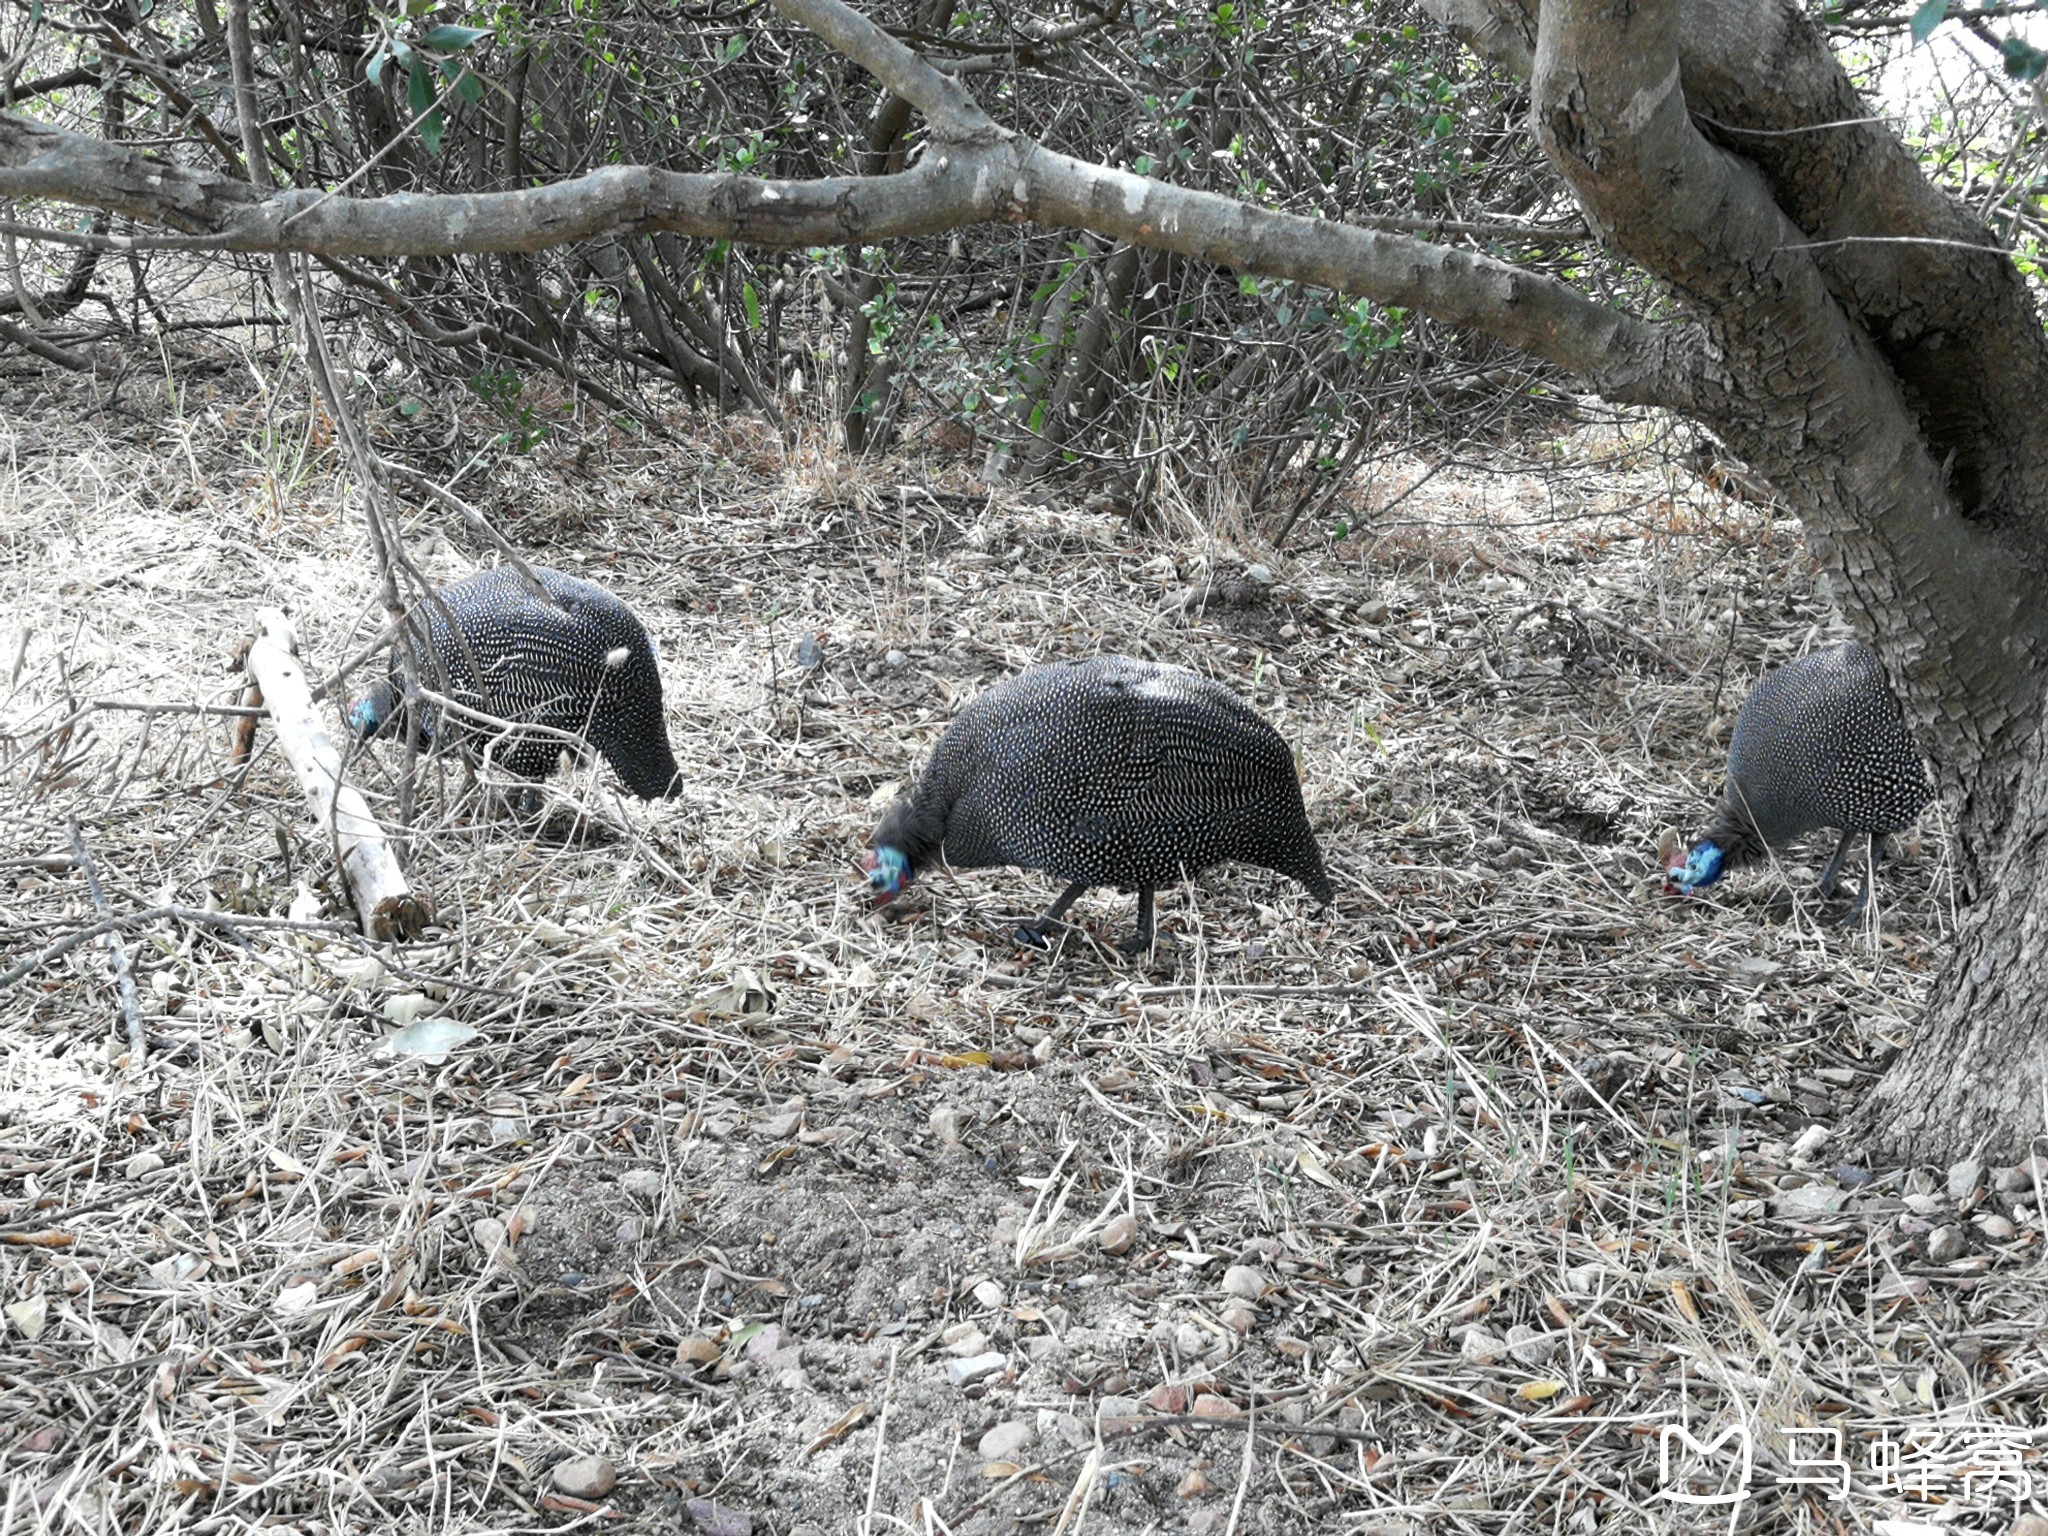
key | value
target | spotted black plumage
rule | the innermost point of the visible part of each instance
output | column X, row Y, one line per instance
column 1819, row 743
column 576, row 660
column 1103, row 772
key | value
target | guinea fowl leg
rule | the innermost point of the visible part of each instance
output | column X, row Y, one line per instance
column 1833, row 872
column 1033, row 932
column 1141, row 941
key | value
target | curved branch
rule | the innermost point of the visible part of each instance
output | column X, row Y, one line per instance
column 991, row 175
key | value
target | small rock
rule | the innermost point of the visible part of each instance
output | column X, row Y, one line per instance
column 1374, row 612
column 764, row 1344
column 809, row 653
column 1192, row 1341
column 1211, row 1406
column 2028, row 1525
column 1118, row 1235
column 1849, row 1176
column 488, row 1233
column 1258, row 575
column 716, row 1519
column 1963, row 1179
column 1194, row 1485
column 946, row 1123
column 1998, row 1230
column 1946, row 1243
column 1531, row 1346
column 642, row 1184
column 969, row 1342
column 1482, row 1348
column 964, row 1372
column 1808, row 1142
column 1167, row 1398
column 1240, row 1320
column 1925, row 1205
column 1810, row 1201
column 1062, row 1428
column 585, row 1477
column 141, row 1165
column 895, row 661
column 1117, row 1407
column 988, row 1294
column 1244, row 1282
column 1008, row 1440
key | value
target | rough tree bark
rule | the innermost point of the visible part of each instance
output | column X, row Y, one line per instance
column 1839, row 320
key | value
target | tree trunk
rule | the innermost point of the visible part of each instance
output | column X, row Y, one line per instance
column 1975, row 1076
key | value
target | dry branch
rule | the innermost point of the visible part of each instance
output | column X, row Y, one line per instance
column 386, row 902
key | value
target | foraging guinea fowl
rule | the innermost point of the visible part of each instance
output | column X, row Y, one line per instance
column 1819, row 743
column 1102, row 772
column 575, row 660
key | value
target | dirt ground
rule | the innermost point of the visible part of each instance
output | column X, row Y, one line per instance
column 749, row 1208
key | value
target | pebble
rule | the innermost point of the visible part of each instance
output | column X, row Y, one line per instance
column 963, row 1372
column 488, row 1233
column 1118, row 1235
column 2029, row 1525
column 1532, row 1346
column 1008, row 1440
column 585, row 1477
column 965, row 1341
column 1063, row 1428
column 1481, row 1347
column 1946, row 1243
column 1116, row 1407
column 764, row 1345
column 946, row 1123
column 1211, row 1406
column 1194, row 1485
column 1924, row 1205
column 1964, row 1178
column 1192, row 1340
column 988, row 1294
column 1998, row 1229
column 1244, row 1282
column 642, row 1183
column 142, row 1164
column 1240, row 1320
column 896, row 661
column 1167, row 1398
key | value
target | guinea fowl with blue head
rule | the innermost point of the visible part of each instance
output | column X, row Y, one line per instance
column 1819, row 743
column 1103, row 772
column 570, row 658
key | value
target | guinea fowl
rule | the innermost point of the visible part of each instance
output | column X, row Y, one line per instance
column 1819, row 743
column 1102, row 772
column 571, row 658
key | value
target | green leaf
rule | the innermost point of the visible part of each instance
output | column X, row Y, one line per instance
column 735, row 46
column 1927, row 18
column 751, row 302
column 2023, row 61
column 419, row 90
column 374, row 70
column 431, row 129
column 464, row 79
column 448, row 38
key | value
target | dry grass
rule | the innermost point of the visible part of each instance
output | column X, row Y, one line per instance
column 1527, row 1162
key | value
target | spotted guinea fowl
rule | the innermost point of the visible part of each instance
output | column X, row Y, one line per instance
column 1102, row 772
column 1819, row 743
column 575, row 660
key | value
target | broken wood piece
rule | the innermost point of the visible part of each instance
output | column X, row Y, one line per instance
column 384, row 900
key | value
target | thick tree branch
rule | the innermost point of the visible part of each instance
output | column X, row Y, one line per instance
column 1813, row 405
column 995, row 175
column 1761, row 81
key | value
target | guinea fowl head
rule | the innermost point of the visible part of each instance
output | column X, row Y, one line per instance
column 1704, row 864
column 888, row 872
column 372, row 712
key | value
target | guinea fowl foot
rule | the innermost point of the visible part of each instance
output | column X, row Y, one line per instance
column 1031, row 936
